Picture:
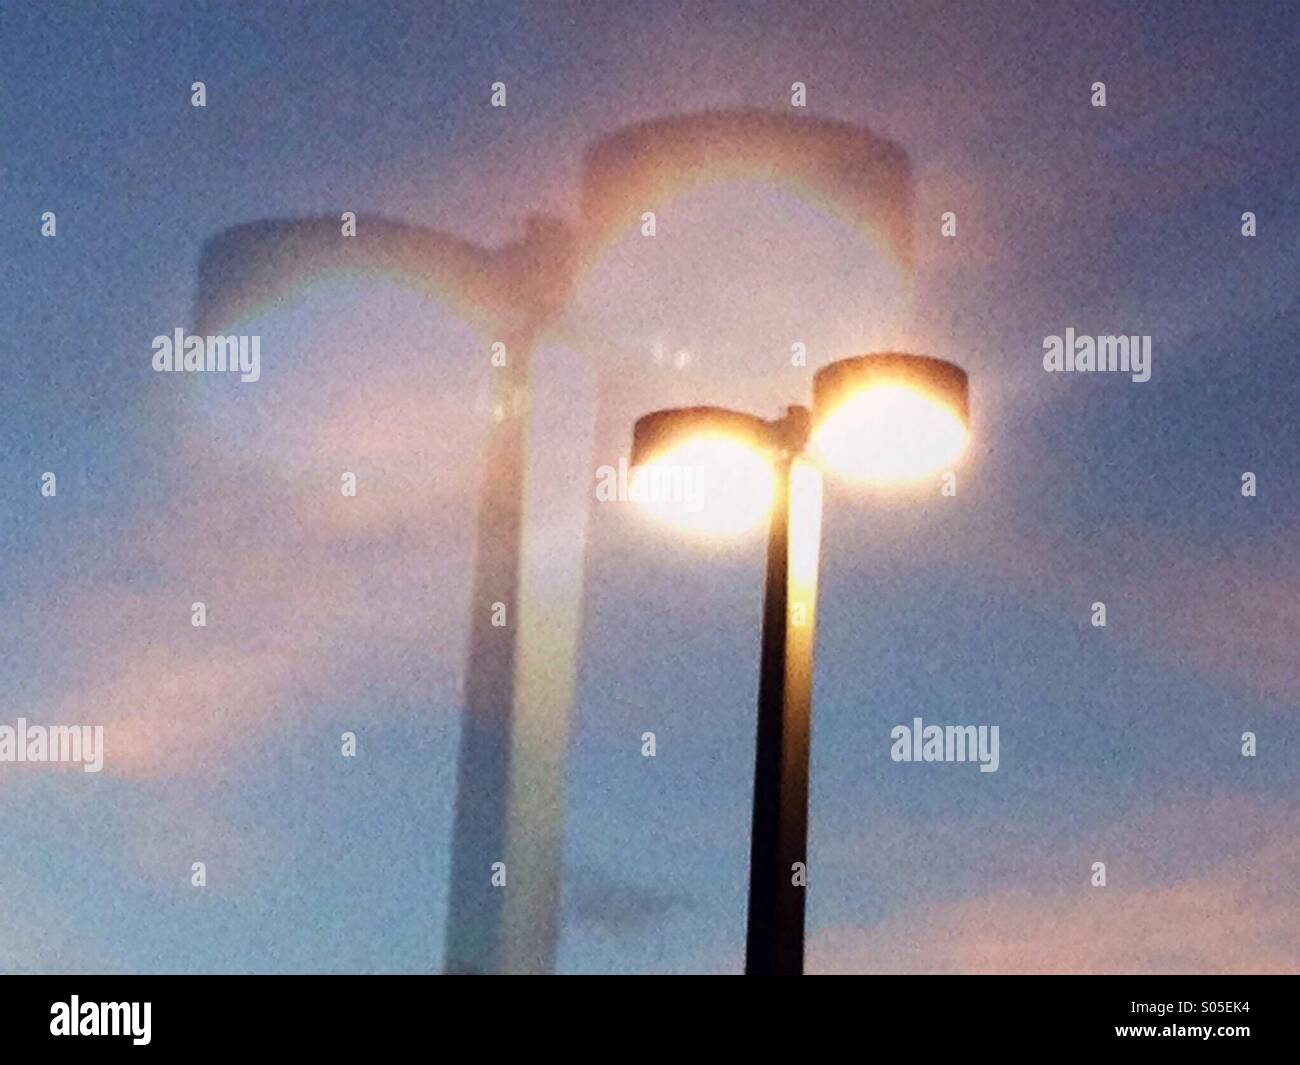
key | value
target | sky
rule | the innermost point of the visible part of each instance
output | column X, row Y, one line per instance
column 329, row 614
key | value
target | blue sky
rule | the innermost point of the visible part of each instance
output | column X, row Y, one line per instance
column 1120, row 744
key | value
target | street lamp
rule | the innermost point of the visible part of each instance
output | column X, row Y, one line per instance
column 877, row 419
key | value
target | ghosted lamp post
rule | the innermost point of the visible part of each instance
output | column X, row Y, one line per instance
column 875, row 419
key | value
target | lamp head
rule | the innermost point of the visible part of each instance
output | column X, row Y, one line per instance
column 706, row 469
column 889, row 418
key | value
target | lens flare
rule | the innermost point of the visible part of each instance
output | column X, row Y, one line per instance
column 889, row 434
column 805, row 536
column 711, row 484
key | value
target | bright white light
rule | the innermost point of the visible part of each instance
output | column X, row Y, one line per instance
column 713, row 484
column 889, row 434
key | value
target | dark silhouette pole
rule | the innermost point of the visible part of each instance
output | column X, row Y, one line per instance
column 846, row 397
column 778, row 843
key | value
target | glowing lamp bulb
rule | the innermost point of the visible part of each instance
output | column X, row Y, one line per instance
column 711, row 483
column 889, row 419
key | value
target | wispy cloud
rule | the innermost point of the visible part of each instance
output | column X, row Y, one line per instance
column 1237, row 909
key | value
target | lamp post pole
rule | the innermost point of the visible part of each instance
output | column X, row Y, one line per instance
column 884, row 418
column 778, row 842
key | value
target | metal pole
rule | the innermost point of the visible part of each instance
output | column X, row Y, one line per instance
column 482, row 812
column 494, row 821
column 778, row 860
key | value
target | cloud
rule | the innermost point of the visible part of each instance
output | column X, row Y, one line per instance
column 1237, row 909
column 1232, row 619
column 308, row 605
column 1235, row 621
column 617, row 906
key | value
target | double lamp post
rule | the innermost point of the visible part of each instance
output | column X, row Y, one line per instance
column 875, row 419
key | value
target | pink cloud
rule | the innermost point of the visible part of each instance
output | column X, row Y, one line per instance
column 1239, row 914
column 308, row 604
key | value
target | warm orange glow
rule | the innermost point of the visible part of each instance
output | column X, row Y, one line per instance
column 805, row 537
column 888, row 434
column 712, row 484
column 805, row 529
